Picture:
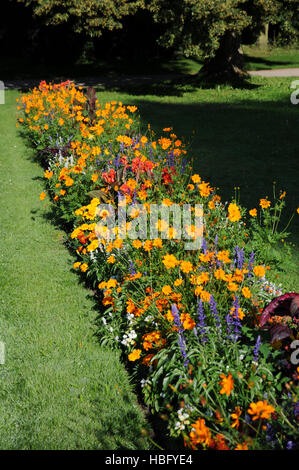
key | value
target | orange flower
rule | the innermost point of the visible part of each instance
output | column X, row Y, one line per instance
column 200, row 434
column 170, row 261
column 166, row 290
column 187, row 322
column 186, row 266
column 227, row 384
column 234, row 213
column 259, row 271
column 260, row 410
column 253, row 212
column 134, row 355
column 236, row 415
column 264, row 203
column 42, row 196
column 246, row 292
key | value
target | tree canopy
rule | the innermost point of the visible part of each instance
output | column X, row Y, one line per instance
column 90, row 16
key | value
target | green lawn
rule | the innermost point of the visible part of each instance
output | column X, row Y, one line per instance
column 58, row 388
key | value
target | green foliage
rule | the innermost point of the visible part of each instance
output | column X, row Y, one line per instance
column 90, row 16
column 196, row 27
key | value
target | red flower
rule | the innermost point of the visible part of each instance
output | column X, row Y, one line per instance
column 109, row 177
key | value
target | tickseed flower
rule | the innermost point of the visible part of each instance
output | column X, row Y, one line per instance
column 76, row 265
column 166, row 290
column 259, row 271
column 260, row 410
column 111, row 259
column 236, row 415
column 227, row 384
column 94, row 177
column 200, row 434
column 170, row 261
column 246, row 292
column 186, row 267
column 264, row 203
column 84, row 267
column 134, row 355
column 48, row 174
column 253, row 212
column 196, row 178
column 178, row 282
column 234, row 213
column 42, row 196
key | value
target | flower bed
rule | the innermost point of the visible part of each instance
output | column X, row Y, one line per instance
column 187, row 319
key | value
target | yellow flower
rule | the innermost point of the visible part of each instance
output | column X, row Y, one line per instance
column 84, row 267
column 253, row 212
column 76, row 265
column 166, row 290
column 234, row 213
column 186, row 266
column 42, row 196
column 264, row 203
column 246, row 292
column 178, row 282
column 111, row 259
column 170, row 261
column 134, row 355
column 196, row 178
column 259, row 271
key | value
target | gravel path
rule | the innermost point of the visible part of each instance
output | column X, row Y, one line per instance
column 132, row 79
column 276, row 73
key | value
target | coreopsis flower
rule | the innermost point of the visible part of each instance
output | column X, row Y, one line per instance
column 48, row 174
column 187, row 322
column 234, row 213
column 196, row 178
column 166, row 290
column 246, row 292
column 42, row 196
column 235, row 416
column 264, row 203
column 170, row 261
column 227, row 384
column 84, row 267
column 241, row 447
column 186, row 266
column 260, row 410
column 134, row 355
column 76, row 265
column 259, row 271
column 200, row 434
column 253, row 212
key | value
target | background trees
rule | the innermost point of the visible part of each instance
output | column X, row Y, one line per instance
column 211, row 30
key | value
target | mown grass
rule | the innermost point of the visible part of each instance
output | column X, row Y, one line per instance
column 243, row 136
column 58, row 388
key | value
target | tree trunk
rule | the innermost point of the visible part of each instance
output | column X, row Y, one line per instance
column 228, row 61
column 264, row 37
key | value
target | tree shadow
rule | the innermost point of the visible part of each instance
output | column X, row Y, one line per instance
column 265, row 63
